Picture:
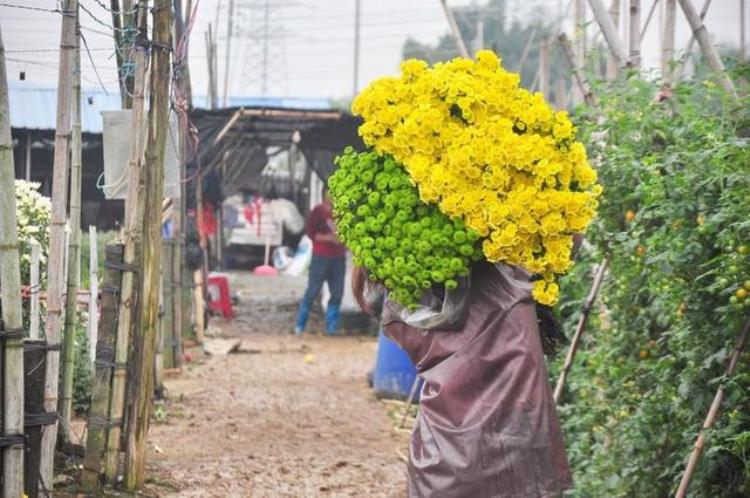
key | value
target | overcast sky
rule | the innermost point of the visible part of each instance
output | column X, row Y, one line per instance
column 310, row 48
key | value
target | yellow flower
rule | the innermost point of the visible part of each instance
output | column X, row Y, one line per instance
column 488, row 152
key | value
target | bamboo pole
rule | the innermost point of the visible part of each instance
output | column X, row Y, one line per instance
column 134, row 213
column 667, row 39
column 114, row 7
column 646, row 24
column 709, row 51
column 93, row 326
column 544, row 67
column 612, row 68
column 145, row 333
column 74, row 252
column 10, row 297
column 743, row 48
column 168, row 289
column 634, row 37
column 713, row 412
column 610, row 32
column 36, row 291
column 460, row 44
column 55, row 268
column 130, row 52
column 579, row 75
column 98, row 417
column 579, row 42
column 230, row 20
column 679, row 71
column 601, row 270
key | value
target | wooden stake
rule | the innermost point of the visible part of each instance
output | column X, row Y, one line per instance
column 544, row 67
column 230, row 19
column 168, row 290
column 93, row 327
column 709, row 51
column 134, row 210
column 595, row 286
column 74, row 253
column 743, row 48
column 130, row 32
column 610, row 32
column 679, row 71
column 36, row 291
column 98, row 417
column 55, row 269
column 10, row 297
column 579, row 42
column 114, row 6
column 612, row 67
column 713, row 412
column 667, row 39
column 145, row 334
column 634, row 38
column 460, row 44
column 646, row 24
column 580, row 76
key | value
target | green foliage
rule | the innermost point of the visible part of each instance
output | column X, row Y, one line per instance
column 406, row 244
column 82, row 375
column 674, row 220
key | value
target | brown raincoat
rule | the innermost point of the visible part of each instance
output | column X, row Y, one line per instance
column 487, row 425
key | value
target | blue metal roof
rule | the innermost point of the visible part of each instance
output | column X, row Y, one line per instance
column 34, row 107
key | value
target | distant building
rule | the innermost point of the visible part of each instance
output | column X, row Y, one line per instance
column 33, row 110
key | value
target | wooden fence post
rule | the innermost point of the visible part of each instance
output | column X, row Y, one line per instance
column 139, row 413
column 134, row 211
column 93, row 326
column 460, row 44
column 11, row 338
column 55, row 267
column 74, row 251
column 99, row 422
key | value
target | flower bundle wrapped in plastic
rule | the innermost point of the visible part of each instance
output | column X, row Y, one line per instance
column 406, row 244
column 488, row 153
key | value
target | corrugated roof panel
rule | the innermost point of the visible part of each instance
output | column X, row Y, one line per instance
column 34, row 107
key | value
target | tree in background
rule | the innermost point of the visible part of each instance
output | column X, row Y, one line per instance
column 507, row 38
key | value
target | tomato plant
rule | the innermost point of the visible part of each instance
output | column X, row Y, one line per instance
column 674, row 220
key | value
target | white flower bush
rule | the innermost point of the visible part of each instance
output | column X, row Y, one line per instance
column 33, row 214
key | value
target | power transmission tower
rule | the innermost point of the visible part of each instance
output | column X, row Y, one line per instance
column 260, row 29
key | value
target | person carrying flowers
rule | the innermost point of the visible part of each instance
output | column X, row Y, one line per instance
column 463, row 211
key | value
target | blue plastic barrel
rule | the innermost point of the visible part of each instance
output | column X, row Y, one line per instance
column 394, row 372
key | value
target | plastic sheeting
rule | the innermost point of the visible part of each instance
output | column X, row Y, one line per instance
column 487, row 424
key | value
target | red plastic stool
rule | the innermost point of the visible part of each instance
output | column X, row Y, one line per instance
column 218, row 292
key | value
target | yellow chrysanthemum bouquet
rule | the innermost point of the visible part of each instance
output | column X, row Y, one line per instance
column 490, row 154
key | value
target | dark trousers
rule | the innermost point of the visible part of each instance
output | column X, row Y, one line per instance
column 323, row 269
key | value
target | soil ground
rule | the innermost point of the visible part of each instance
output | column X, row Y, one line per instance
column 282, row 417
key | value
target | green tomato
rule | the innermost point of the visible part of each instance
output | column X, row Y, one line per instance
column 451, row 284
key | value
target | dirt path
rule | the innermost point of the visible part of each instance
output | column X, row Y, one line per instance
column 286, row 417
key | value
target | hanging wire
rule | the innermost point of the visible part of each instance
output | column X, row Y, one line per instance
column 91, row 59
